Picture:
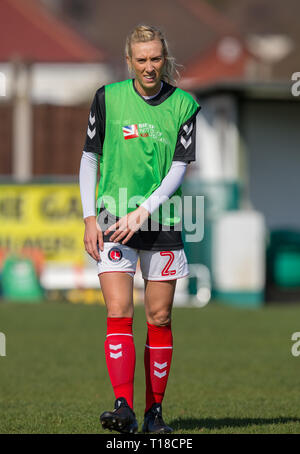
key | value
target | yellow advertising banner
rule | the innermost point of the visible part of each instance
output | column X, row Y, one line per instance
column 45, row 216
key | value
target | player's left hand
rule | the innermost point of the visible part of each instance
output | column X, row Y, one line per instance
column 127, row 225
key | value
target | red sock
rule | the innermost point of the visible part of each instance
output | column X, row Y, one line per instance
column 120, row 356
column 157, row 359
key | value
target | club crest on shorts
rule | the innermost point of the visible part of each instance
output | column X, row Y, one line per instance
column 115, row 254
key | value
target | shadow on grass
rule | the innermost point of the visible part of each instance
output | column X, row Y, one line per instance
column 222, row 423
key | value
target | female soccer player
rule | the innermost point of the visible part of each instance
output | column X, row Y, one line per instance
column 142, row 133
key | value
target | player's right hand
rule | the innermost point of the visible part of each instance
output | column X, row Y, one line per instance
column 93, row 237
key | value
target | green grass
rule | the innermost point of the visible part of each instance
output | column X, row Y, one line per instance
column 232, row 369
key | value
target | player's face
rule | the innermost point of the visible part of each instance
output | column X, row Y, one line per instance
column 147, row 62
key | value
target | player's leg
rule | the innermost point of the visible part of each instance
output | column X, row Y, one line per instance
column 158, row 350
column 160, row 269
column 116, row 271
column 117, row 289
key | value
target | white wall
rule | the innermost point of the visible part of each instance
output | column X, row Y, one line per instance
column 271, row 132
column 217, row 140
column 65, row 84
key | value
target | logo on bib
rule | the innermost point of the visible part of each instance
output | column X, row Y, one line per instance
column 115, row 254
column 130, row 131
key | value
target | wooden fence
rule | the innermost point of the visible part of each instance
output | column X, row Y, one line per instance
column 57, row 140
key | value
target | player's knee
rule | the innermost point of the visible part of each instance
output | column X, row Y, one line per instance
column 160, row 319
column 119, row 310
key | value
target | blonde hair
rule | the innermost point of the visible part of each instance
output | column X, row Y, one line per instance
column 145, row 33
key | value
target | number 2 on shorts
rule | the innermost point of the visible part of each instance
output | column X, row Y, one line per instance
column 166, row 271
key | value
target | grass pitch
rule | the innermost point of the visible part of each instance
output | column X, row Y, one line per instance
column 232, row 369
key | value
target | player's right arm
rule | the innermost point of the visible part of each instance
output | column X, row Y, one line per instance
column 88, row 173
column 87, row 184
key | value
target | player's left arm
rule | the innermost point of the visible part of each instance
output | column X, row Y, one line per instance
column 184, row 153
column 168, row 186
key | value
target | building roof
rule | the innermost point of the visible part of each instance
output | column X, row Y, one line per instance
column 30, row 32
column 268, row 18
column 191, row 26
column 194, row 30
column 227, row 59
